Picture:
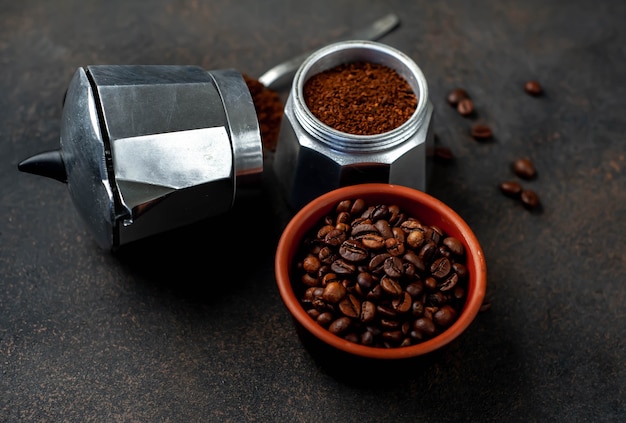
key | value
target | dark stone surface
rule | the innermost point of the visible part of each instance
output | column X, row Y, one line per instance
column 158, row 333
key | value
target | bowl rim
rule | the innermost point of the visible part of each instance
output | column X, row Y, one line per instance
column 312, row 212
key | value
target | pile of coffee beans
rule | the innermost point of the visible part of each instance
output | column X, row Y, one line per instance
column 376, row 276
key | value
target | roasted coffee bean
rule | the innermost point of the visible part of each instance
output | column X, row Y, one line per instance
column 343, row 217
column 311, row 264
column 376, row 293
column 324, row 230
column 449, row 283
column 350, row 306
column 343, row 206
column 454, row 245
column 343, row 227
column 365, row 280
column 340, row 325
column 352, row 337
column 443, row 251
column 391, row 286
column 406, row 327
column 395, row 215
column 389, row 324
column 326, row 255
column 441, row 267
column 529, row 198
column 456, row 95
column 363, row 229
column 334, row 237
column 398, row 234
column 402, row 304
column 524, row 168
column 481, row 132
column 334, row 292
column 416, row 261
column 416, row 238
column 393, row 267
column 330, row 277
column 430, row 283
column 511, row 188
column 368, row 311
column 372, row 241
column 325, row 318
column 427, row 252
column 311, row 293
column 386, row 312
column 458, row 292
column 533, row 88
column 405, row 342
column 415, row 289
column 310, row 280
column 425, row 326
column 443, row 154
column 367, row 338
column 384, row 228
column 411, row 225
column 394, row 246
column 357, row 207
column 417, row 308
column 410, row 270
column 445, row 316
column 465, row 107
column 352, row 250
column 314, row 314
column 343, row 267
column 436, row 299
column 394, row 337
column 460, row 269
column 380, row 211
column 435, row 233
column 377, row 263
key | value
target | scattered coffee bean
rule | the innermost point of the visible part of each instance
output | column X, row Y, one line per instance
column 524, row 168
column 529, row 198
column 456, row 95
column 443, row 154
column 481, row 132
column 511, row 188
column 486, row 306
column 406, row 286
column 533, row 88
column 465, row 107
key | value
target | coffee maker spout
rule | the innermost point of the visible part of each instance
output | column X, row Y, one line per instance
column 48, row 163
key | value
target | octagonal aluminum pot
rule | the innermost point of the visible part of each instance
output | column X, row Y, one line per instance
column 313, row 158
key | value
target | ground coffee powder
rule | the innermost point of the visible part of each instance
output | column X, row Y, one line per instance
column 360, row 98
column 269, row 109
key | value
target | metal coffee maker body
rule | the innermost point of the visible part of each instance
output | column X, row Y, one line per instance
column 146, row 149
column 313, row 158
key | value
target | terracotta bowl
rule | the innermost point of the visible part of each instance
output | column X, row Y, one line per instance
column 414, row 203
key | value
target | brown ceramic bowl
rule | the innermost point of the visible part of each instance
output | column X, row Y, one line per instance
column 424, row 207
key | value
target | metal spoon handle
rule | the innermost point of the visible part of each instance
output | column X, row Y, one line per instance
column 285, row 71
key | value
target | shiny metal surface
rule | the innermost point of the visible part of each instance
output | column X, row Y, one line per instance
column 313, row 158
column 84, row 154
column 152, row 148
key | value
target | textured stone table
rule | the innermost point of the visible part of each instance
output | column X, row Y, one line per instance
column 156, row 333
